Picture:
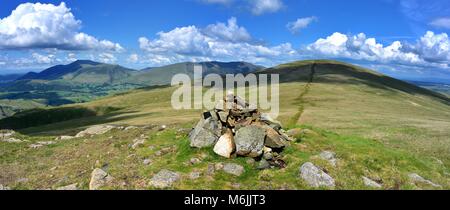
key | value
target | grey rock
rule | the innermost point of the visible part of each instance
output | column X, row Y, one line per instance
column 95, row 130
column 130, row 128
column 315, row 177
column 6, row 134
column 370, row 183
column 194, row 175
column 68, row 187
column 4, row 187
column 138, row 142
column 416, row 178
column 329, row 156
column 234, row 169
column 273, row 139
column 46, row 142
column 250, row 141
column 223, row 116
column 35, row 146
column 164, row 179
column 206, row 133
column 147, row 161
column 268, row 156
column 263, row 164
column 12, row 140
column 271, row 122
column 99, row 178
column 63, row 138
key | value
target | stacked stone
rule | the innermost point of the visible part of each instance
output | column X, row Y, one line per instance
column 237, row 128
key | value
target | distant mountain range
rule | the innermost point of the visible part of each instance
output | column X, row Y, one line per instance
column 84, row 80
column 90, row 72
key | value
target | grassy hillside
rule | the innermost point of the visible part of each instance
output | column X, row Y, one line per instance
column 379, row 127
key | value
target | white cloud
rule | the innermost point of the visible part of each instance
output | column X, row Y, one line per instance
column 217, row 41
column 231, row 32
column 44, row 59
column 433, row 47
column 265, row 6
column 107, row 58
column 37, row 26
column 299, row 24
column 429, row 50
column 441, row 22
column 133, row 58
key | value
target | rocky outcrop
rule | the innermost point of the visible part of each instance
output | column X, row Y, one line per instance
column 329, row 156
column 95, row 130
column 164, row 179
column 370, row 183
column 99, row 178
column 417, row 179
column 8, row 136
column 68, row 187
column 315, row 177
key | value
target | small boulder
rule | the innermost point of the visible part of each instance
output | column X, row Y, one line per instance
column 164, row 179
column 68, row 187
column 138, row 142
column 63, row 138
column 35, row 146
column 273, row 139
column 263, row 164
column 99, row 178
column 233, row 169
column 315, row 177
column 249, row 141
column 416, row 178
column 270, row 121
column 194, row 175
column 95, row 130
column 329, row 156
column 205, row 133
column 147, row 161
column 225, row 146
column 12, row 140
column 370, row 183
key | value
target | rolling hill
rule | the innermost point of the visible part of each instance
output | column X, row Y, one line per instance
column 379, row 127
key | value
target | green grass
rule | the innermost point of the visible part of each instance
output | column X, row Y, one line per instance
column 76, row 158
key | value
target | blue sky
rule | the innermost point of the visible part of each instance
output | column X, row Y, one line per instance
column 402, row 38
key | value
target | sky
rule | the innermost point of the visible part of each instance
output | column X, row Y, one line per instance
column 407, row 39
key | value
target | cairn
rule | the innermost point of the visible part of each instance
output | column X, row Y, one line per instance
column 237, row 128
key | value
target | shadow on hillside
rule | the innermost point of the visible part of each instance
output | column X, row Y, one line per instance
column 72, row 127
column 51, row 98
column 64, row 120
